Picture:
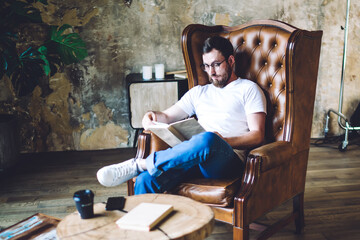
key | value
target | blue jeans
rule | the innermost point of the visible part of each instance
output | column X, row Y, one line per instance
column 204, row 155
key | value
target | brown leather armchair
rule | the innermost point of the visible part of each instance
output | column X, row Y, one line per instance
column 284, row 61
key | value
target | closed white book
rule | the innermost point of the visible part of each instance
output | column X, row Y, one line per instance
column 144, row 216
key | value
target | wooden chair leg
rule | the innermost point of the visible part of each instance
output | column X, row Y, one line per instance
column 298, row 209
column 241, row 233
column 130, row 187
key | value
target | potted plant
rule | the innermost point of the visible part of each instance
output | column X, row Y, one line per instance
column 26, row 63
column 27, row 69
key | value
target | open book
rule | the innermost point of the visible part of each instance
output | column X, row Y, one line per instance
column 177, row 132
column 144, row 216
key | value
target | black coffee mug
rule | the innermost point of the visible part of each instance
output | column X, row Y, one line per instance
column 84, row 201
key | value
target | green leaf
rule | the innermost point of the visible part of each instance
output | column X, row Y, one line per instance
column 71, row 48
column 28, row 72
column 46, row 66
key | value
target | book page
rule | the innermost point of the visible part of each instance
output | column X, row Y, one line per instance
column 177, row 132
column 188, row 127
column 160, row 124
column 144, row 216
column 171, row 138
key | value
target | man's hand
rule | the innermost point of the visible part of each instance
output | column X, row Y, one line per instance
column 172, row 114
column 148, row 119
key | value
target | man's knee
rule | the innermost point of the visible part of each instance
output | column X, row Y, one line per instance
column 207, row 139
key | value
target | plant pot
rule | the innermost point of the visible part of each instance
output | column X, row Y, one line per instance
column 9, row 147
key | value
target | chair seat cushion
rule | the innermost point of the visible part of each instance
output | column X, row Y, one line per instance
column 214, row 192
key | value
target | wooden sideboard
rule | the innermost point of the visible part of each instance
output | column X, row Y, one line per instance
column 153, row 94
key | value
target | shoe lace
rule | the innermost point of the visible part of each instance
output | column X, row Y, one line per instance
column 124, row 169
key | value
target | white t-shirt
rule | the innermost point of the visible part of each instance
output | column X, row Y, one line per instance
column 224, row 110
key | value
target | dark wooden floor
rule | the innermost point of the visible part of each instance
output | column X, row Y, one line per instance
column 46, row 182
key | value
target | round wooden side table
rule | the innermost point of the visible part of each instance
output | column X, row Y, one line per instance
column 189, row 220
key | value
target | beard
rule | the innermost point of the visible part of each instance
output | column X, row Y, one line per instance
column 220, row 81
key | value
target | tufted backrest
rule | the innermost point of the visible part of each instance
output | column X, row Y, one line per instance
column 265, row 52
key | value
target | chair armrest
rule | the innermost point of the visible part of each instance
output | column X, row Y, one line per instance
column 273, row 154
column 149, row 143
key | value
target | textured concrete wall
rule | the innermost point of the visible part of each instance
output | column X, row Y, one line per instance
column 88, row 108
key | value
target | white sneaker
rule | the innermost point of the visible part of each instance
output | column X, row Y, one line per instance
column 117, row 174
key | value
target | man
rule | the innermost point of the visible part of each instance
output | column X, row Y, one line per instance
column 231, row 110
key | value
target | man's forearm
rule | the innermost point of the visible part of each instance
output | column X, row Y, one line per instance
column 170, row 115
column 248, row 140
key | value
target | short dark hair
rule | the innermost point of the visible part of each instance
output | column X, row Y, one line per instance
column 221, row 44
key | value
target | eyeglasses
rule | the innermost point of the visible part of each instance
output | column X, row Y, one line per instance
column 214, row 65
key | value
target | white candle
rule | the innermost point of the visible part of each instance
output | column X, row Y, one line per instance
column 159, row 71
column 147, row 72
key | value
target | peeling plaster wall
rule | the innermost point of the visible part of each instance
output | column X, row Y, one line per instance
column 88, row 108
